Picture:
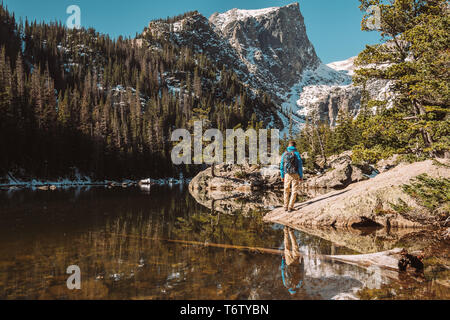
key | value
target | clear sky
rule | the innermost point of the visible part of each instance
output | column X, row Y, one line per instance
column 333, row 26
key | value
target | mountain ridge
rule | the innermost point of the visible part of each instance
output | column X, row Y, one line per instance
column 267, row 48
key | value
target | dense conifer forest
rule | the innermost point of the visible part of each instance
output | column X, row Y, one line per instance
column 79, row 99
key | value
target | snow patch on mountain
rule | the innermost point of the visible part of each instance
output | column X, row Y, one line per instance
column 346, row 66
column 222, row 20
column 313, row 84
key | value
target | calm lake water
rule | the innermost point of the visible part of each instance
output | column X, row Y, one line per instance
column 158, row 244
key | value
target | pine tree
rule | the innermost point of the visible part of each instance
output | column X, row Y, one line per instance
column 415, row 53
column 63, row 109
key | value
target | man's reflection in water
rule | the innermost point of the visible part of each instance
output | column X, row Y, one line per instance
column 292, row 263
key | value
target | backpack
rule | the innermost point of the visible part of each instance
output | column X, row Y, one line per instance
column 290, row 163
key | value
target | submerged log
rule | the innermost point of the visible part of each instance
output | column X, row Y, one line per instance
column 385, row 259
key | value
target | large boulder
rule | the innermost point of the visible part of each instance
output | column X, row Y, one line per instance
column 237, row 178
column 367, row 203
column 271, row 175
column 340, row 174
column 232, row 188
column 387, row 164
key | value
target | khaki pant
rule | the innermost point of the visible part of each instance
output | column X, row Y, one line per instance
column 290, row 192
column 291, row 250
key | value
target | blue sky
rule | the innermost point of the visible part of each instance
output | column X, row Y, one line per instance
column 333, row 26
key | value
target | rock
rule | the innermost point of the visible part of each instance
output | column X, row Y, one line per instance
column 53, row 188
column 305, row 156
column 43, row 188
column 271, row 175
column 366, row 203
column 235, row 188
column 387, row 164
column 340, row 160
column 361, row 240
column 329, row 100
column 344, row 155
column 236, row 178
column 358, row 174
column 233, row 202
column 340, row 174
column 334, row 178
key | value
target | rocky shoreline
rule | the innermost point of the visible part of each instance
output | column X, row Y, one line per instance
column 343, row 195
column 10, row 182
column 367, row 203
column 339, row 173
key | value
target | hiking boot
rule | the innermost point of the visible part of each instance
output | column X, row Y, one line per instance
column 285, row 209
column 290, row 210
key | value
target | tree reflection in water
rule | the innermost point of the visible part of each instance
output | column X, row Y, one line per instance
column 119, row 238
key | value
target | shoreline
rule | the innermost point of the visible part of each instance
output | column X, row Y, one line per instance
column 37, row 184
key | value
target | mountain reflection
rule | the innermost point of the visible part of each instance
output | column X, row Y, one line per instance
column 161, row 244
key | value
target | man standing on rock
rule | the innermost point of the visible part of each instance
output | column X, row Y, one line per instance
column 291, row 169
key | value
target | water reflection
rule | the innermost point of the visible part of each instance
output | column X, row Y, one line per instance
column 307, row 273
column 162, row 244
column 292, row 263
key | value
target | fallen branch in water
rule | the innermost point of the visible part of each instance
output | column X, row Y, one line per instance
column 206, row 244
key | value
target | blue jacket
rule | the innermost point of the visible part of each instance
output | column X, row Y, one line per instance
column 300, row 162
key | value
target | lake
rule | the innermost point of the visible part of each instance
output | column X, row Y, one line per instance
column 159, row 243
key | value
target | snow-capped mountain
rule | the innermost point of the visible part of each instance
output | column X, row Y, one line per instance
column 271, row 53
column 271, row 42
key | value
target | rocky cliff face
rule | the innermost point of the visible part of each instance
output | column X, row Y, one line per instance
column 197, row 33
column 327, row 101
column 271, row 42
column 327, row 98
